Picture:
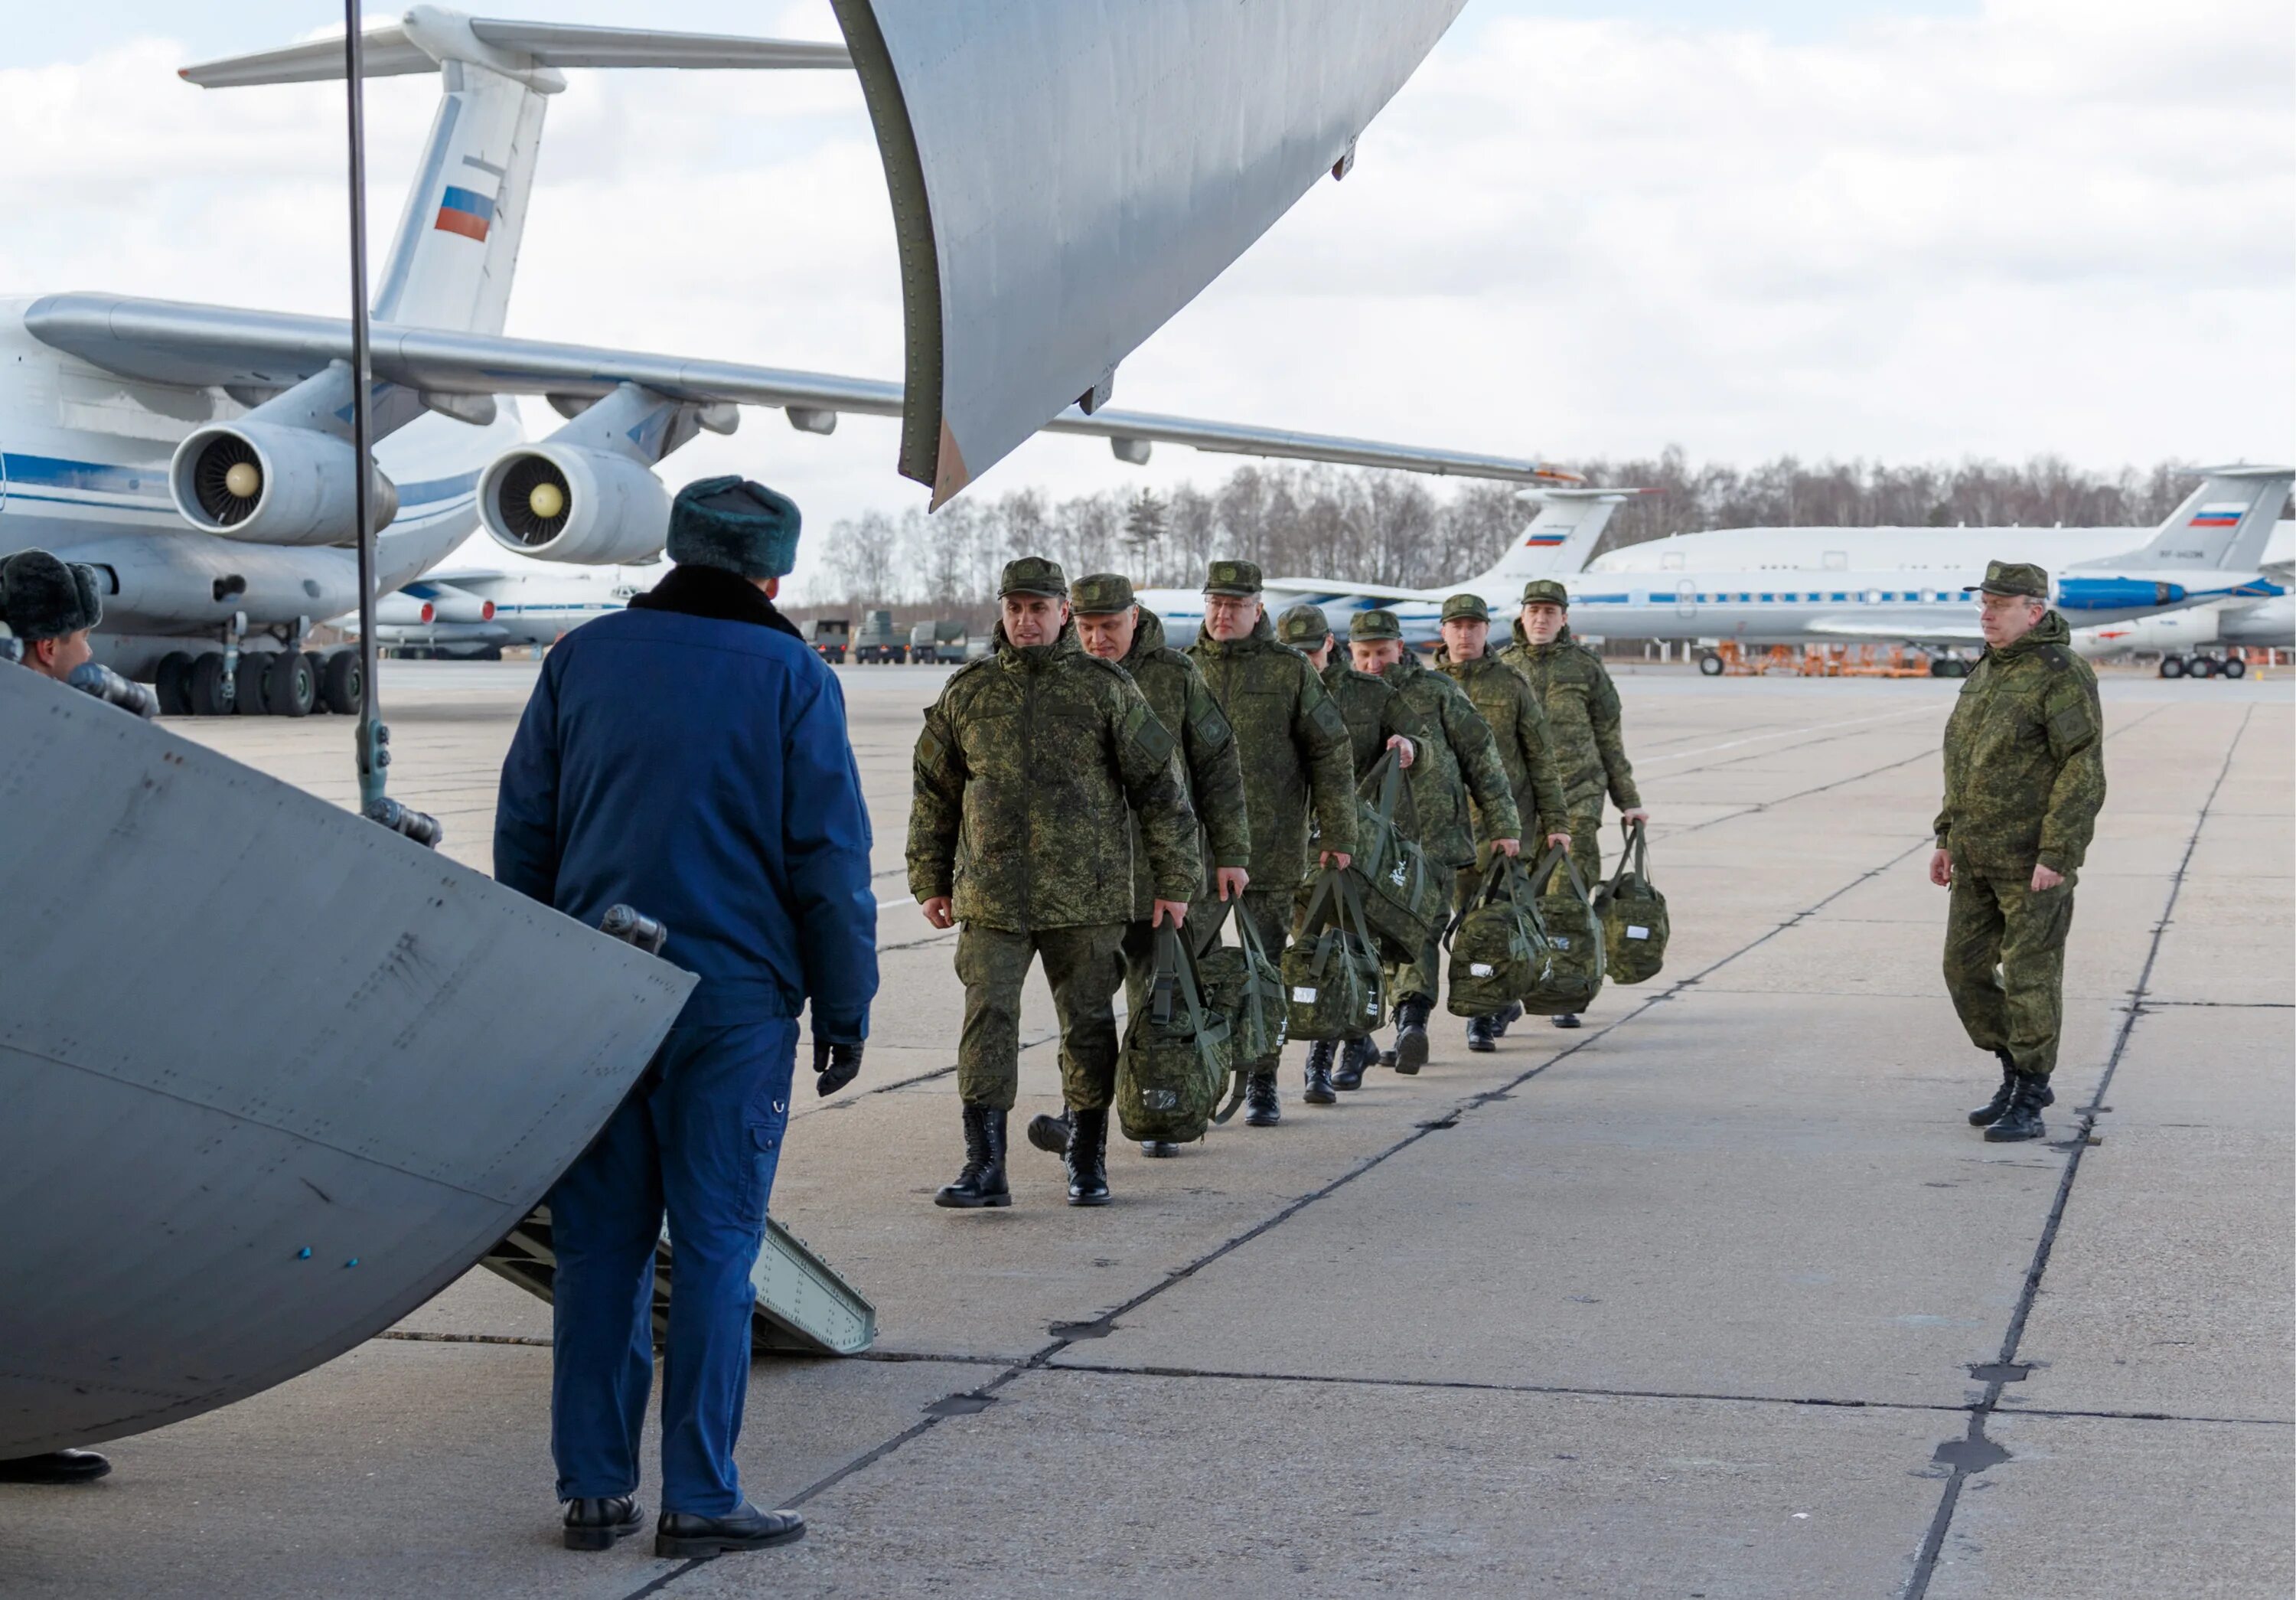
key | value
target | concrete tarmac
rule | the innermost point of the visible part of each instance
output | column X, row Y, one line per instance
column 1718, row 1296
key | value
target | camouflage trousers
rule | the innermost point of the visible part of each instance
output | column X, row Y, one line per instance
column 1081, row 964
column 1586, row 827
column 2004, row 963
column 1418, row 979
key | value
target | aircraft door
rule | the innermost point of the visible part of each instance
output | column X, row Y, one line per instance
column 1685, row 599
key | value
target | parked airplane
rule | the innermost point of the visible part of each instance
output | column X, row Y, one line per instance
column 198, row 457
column 2183, row 639
column 521, row 608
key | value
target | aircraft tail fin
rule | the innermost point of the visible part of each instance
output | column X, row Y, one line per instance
column 451, row 262
column 2225, row 522
column 1561, row 539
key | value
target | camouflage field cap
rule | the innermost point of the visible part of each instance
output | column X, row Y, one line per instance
column 1304, row 626
column 1370, row 627
column 1240, row 578
column 2015, row 577
column 1545, row 591
column 1467, row 607
column 1033, row 575
column 1102, row 595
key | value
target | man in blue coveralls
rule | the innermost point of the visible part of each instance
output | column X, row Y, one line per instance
column 688, row 757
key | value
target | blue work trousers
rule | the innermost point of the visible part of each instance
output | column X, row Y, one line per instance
column 699, row 1135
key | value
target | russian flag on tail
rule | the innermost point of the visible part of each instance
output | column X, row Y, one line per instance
column 2220, row 513
column 1544, row 541
column 464, row 211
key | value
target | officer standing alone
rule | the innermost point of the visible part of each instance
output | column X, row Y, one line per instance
column 688, row 757
column 1028, row 773
column 2024, row 779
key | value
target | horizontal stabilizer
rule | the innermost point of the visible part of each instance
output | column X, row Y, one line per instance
column 427, row 37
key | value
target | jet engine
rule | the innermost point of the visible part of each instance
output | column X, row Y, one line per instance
column 272, row 484
column 564, row 503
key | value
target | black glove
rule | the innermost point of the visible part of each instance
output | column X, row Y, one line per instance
column 835, row 1064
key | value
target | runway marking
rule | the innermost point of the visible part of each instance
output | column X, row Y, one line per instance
column 1684, row 755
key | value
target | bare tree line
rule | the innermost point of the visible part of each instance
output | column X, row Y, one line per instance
column 1392, row 528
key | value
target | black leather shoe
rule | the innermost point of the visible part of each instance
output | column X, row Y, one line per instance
column 1050, row 1134
column 1411, row 1035
column 681, row 1533
column 1260, row 1107
column 1507, row 1018
column 1088, row 1158
column 600, row 1524
column 1319, row 1073
column 1987, row 1114
column 1482, row 1036
column 982, row 1181
column 1158, row 1149
column 1355, row 1056
column 1568, row 1019
column 55, row 1467
column 2022, row 1120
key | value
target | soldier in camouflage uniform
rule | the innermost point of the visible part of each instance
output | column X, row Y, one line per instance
column 1582, row 719
column 1112, row 624
column 1032, row 766
column 1378, row 721
column 1461, row 793
column 2025, row 778
column 1296, row 753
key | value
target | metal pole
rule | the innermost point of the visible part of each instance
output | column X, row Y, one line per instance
column 374, row 737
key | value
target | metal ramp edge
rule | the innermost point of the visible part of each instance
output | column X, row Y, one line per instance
column 805, row 1306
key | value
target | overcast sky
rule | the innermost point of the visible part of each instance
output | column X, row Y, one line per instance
column 1893, row 230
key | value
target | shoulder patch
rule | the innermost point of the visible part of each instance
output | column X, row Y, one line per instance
column 1141, row 728
column 1328, row 718
column 2057, row 656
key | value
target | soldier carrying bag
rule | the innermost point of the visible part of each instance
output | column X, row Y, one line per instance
column 1573, row 975
column 1633, row 913
column 1498, row 949
column 1332, row 970
column 1403, row 901
column 1177, row 1055
column 1242, row 984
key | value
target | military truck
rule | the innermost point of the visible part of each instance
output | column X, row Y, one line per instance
column 939, row 641
column 829, row 636
column 877, row 641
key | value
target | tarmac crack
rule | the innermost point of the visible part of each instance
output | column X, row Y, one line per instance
column 1975, row 1452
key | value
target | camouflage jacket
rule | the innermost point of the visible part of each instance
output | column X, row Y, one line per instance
column 1029, row 766
column 1209, row 765
column 2024, row 757
column 1458, row 760
column 1295, row 744
column 1374, row 712
column 1526, row 744
column 1582, row 717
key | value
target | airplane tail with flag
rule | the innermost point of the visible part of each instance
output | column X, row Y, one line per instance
column 1560, row 540
column 451, row 262
column 2225, row 522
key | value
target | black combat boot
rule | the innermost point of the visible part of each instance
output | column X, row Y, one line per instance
column 1319, row 1073
column 1050, row 1134
column 982, row 1181
column 2022, row 1120
column 1482, row 1034
column 1088, row 1158
column 1158, row 1149
column 1507, row 1018
column 1260, row 1107
column 1568, row 1019
column 1355, row 1056
column 597, row 1523
column 1987, row 1114
column 1411, row 1034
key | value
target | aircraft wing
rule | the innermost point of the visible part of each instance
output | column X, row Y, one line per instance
column 261, row 352
column 1328, row 589
column 1882, row 623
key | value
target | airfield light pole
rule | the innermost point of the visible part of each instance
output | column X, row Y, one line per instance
column 374, row 737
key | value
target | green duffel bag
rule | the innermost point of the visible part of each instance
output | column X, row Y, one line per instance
column 1404, row 900
column 1177, row 1056
column 1497, row 949
column 1332, row 971
column 1572, row 974
column 1244, row 985
column 1633, row 913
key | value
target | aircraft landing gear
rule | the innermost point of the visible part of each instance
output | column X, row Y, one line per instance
column 173, row 684
column 2232, row 666
column 342, row 684
column 290, row 688
column 1709, row 664
column 2172, row 666
column 209, row 690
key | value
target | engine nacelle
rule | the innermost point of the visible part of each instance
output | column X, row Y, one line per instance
column 271, row 485
column 563, row 502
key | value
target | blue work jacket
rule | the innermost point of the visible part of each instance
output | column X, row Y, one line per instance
column 688, row 757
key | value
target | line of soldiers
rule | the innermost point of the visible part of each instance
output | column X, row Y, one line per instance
column 1085, row 783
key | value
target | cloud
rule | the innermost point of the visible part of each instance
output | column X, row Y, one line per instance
column 2047, row 226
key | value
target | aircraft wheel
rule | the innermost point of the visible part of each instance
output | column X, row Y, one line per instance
column 2199, row 666
column 208, row 687
column 247, row 698
column 2233, row 667
column 318, row 666
column 2172, row 666
column 289, row 687
column 1711, row 665
column 173, row 683
column 342, row 684
column 492, row 653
